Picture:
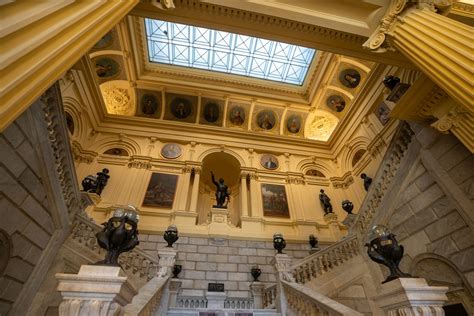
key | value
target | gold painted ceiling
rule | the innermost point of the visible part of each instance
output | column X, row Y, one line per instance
column 132, row 86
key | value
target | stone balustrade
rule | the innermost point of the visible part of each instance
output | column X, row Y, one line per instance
column 304, row 301
column 323, row 261
column 148, row 299
column 136, row 262
column 269, row 296
column 384, row 177
column 191, row 302
column 238, row 303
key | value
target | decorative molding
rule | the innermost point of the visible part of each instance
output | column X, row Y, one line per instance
column 450, row 120
column 342, row 182
column 140, row 162
column 53, row 112
column 81, row 155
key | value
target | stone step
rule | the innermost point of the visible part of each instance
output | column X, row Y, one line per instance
column 221, row 312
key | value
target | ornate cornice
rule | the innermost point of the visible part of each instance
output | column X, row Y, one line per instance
column 81, row 155
column 342, row 182
column 140, row 162
column 54, row 118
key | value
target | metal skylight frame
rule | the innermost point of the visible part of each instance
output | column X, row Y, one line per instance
column 203, row 48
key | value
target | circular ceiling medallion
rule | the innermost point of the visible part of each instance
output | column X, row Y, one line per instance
column 171, row 151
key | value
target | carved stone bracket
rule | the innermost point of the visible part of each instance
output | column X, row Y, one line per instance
column 140, row 162
column 342, row 182
column 295, row 180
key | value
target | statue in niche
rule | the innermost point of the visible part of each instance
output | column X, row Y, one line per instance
column 222, row 192
column 325, row 201
column 95, row 184
column 367, row 181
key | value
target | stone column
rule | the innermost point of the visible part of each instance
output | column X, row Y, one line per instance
column 411, row 296
column 174, row 288
column 195, row 191
column 184, row 189
column 167, row 259
column 281, row 264
column 254, row 197
column 257, row 289
column 243, row 194
column 441, row 47
column 95, row 290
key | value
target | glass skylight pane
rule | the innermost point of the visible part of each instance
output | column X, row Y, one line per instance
column 198, row 47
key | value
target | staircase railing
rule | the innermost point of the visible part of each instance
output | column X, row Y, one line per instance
column 325, row 260
column 238, row 303
column 191, row 302
column 147, row 301
column 304, row 301
column 381, row 182
column 137, row 262
column 269, row 296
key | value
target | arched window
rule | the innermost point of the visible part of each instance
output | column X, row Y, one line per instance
column 315, row 173
column 116, row 152
column 69, row 123
column 358, row 155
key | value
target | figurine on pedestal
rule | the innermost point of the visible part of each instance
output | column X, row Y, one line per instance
column 222, row 193
column 325, row 201
column 384, row 249
column 367, row 181
column 120, row 234
column 95, row 184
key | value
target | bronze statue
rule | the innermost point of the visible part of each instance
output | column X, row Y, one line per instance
column 367, row 181
column 95, row 184
column 347, row 206
column 120, row 234
column 325, row 201
column 222, row 193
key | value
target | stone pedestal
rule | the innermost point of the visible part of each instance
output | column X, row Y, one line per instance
column 349, row 220
column 333, row 223
column 95, row 290
column 411, row 296
column 218, row 225
column 166, row 261
column 257, row 289
column 174, row 288
column 215, row 300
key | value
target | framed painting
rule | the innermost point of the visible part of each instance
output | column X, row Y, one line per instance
column 161, row 190
column 275, row 203
column 383, row 113
column 293, row 124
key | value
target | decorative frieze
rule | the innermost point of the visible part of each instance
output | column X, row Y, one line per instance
column 140, row 162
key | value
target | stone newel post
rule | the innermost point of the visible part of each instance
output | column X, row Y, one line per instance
column 257, row 289
column 95, row 290
column 282, row 263
column 411, row 296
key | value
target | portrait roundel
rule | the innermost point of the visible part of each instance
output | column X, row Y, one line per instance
column 269, row 162
column 106, row 67
column 211, row 112
column 148, row 104
column 171, row 151
column 237, row 115
column 336, row 103
column 181, row 108
column 293, row 123
column 106, row 41
column 349, row 78
column 266, row 119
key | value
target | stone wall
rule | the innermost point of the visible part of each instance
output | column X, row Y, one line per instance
column 225, row 261
column 434, row 211
column 24, row 208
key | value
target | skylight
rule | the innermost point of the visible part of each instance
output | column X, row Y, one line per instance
column 202, row 48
